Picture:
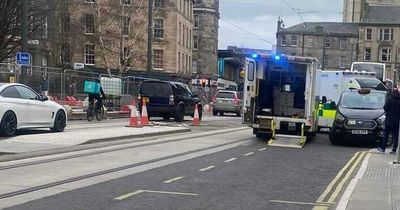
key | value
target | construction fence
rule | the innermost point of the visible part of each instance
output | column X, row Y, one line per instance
column 66, row 86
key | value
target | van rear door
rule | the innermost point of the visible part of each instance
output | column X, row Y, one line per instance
column 250, row 88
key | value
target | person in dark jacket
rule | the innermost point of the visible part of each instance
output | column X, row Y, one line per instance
column 392, row 109
column 99, row 97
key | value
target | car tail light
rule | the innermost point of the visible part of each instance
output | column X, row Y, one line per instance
column 171, row 100
column 236, row 100
column 214, row 99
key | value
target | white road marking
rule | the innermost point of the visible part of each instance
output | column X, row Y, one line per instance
column 206, row 168
column 128, row 195
column 169, row 181
column 262, row 149
column 230, row 160
column 248, row 154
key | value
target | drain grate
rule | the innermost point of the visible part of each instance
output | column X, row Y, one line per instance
column 383, row 173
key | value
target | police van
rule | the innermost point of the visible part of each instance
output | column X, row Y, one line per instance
column 279, row 98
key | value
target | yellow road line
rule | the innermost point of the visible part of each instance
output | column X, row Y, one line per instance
column 333, row 182
column 262, row 149
column 300, row 203
column 173, row 179
column 248, row 154
column 206, row 168
column 137, row 192
column 344, row 180
column 230, row 160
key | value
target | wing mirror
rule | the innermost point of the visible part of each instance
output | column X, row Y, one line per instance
column 45, row 98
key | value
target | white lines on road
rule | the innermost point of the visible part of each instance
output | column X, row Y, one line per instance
column 169, row 181
column 230, row 160
column 262, row 149
column 206, row 168
column 137, row 192
column 248, row 154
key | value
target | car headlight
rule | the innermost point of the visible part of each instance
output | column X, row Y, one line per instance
column 381, row 120
column 339, row 117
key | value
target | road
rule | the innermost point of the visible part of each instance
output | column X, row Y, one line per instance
column 230, row 170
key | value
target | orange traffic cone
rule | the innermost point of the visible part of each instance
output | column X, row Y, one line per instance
column 145, row 118
column 196, row 118
column 134, row 119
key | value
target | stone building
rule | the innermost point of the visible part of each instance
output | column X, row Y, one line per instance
column 205, row 38
column 105, row 34
column 380, row 37
column 353, row 9
column 333, row 44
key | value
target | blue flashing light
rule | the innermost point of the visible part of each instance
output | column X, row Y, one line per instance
column 254, row 55
column 277, row 57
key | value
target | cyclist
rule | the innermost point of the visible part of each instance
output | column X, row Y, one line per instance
column 98, row 96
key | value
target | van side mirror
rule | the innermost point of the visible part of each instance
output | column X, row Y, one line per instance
column 389, row 84
column 45, row 98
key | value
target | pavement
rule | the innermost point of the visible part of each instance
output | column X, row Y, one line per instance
column 376, row 185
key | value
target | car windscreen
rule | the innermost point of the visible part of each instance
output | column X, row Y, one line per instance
column 355, row 100
column 371, row 83
column 226, row 95
column 155, row 89
column 369, row 67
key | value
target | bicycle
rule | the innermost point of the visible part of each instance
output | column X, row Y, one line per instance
column 91, row 111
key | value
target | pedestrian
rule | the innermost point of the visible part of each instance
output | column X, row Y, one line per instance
column 44, row 86
column 392, row 110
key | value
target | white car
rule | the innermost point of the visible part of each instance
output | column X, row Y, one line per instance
column 23, row 108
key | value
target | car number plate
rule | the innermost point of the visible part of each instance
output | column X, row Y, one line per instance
column 359, row 132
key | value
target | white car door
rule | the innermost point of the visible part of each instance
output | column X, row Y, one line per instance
column 40, row 113
column 11, row 100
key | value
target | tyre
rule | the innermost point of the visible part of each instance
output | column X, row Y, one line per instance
column 100, row 114
column 60, row 122
column 221, row 113
column 238, row 114
column 215, row 113
column 166, row 118
column 8, row 126
column 180, row 114
column 89, row 113
column 333, row 139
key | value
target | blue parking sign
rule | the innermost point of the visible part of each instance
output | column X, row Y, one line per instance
column 23, row 59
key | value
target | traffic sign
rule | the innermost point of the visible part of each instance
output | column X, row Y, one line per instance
column 23, row 59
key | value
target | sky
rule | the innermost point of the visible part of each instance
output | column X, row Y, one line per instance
column 253, row 23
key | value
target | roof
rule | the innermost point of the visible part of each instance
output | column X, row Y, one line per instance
column 382, row 15
column 319, row 28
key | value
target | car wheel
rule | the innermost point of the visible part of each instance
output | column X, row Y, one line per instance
column 180, row 114
column 333, row 139
column 238, row 114
column 215, row 113
column 60, row 122
column 8, row 126
column 221, row 113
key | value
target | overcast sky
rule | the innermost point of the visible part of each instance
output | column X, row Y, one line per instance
column 259, row 17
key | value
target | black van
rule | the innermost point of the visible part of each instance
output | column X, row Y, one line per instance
column 168, row 99
column 360, row 116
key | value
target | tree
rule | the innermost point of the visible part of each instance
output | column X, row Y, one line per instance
column 10, row 30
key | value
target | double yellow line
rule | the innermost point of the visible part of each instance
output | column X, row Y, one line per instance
column 333, row 189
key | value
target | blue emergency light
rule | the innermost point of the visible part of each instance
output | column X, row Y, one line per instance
column 254, row 55
column 277, row 57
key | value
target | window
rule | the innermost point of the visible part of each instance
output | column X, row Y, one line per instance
column 26, row 93
column 10, row 92
column 127, row 26
column 367, row 54
column 343, row 44
column 180, row 33
column 159, row 28
column 326, row 61
column 45, row 60
column 65, row 22
column 190, row 64
column 194, row 67
column 251, row 71
column 158, row 3
column 342, row 62
column 187, row 63
column 386, row 54
column 89, row 24
column 368, row 34
column 188, row 37
column 386, row 34
column 179, row 61
column 310, row 42
column 65, row 53
column 45, row 27
column 283, row 40
column 191, row 39
column 89, row 55
column 328, row 43
column 126, row 2
column 293, row 40
column 195, row 42
column 196, row 21
column 158, row 59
